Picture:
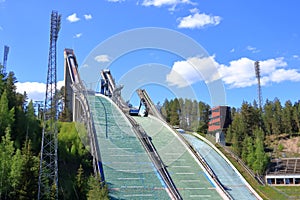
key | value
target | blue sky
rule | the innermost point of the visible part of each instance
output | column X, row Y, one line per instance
column 233, row 33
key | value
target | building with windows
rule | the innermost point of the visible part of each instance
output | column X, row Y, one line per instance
column 219, row 120
column 283, row 171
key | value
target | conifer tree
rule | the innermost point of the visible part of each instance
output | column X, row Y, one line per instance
column 6, row 153
column 6, row 114
column 80, row 184
column 96, row 192
column 29, row 173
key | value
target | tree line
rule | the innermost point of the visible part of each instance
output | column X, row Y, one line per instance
column 250, row 125
column 187, row 114
column 20, row 143
column 20, row 136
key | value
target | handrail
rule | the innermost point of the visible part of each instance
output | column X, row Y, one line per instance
column 250, row 172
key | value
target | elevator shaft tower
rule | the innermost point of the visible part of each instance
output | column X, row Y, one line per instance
column 48, row 174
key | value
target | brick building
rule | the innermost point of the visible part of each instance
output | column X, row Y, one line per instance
column 219, row 120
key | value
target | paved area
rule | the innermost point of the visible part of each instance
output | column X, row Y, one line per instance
column 188, row 176
column 228, row 177
column 128, row 170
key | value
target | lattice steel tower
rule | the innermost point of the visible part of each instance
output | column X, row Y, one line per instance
column 257, row 72
column 6, row 50
column 48, row 174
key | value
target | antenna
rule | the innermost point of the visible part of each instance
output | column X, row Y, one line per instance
column 48, row 174
column 257, row 72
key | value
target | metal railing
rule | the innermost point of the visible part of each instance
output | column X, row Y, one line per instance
column 81, row 95
column 246, row 168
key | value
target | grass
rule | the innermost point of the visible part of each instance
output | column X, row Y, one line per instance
column 292, row 192
column 266, row 192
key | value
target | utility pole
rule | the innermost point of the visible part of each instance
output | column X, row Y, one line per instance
column 48, row 174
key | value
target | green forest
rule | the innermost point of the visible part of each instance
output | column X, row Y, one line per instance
column 188, row 114
column 21, row 130
column 250, row 127
column 20, row 143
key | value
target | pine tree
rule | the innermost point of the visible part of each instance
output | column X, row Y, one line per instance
column 277, row 117
column 6, row 153
column 175, row 112
column 33, row 128
column 6, row 115
column 261, row 159
column 95, row 191
column 15, row 173
column 11, row 89
column 29, row 173
column 287, row 119
column 245, row 149
column 80, row 184
column 268, row 117
column 238, row 128
column 296, row 116
column 203, row 117
column 251, row 152
column 165, row 110
column 229, row 135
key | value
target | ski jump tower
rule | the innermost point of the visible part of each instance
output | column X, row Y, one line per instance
column 48, row 174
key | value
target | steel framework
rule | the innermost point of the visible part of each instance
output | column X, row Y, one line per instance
column 257, row 73
column 48, row 174
column 6, row 50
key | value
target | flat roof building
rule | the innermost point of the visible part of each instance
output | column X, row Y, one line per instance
column 219, row 120
column 284, row 171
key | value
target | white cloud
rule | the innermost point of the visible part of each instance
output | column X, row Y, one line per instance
column 88, row 16
column 238, row 74
column 296, row 56
column 241, row 73
column 115, row 1
column 285, row 75
column 192, row 70
column 252, row 49
column 35, row 90
column 73, row 18
column 102, row 58
column 159, row 3
column 198, row 20
column 78, row 35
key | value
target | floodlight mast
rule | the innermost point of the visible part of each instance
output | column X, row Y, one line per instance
column 6, row 50
column 48, row 174
column 257, row 73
